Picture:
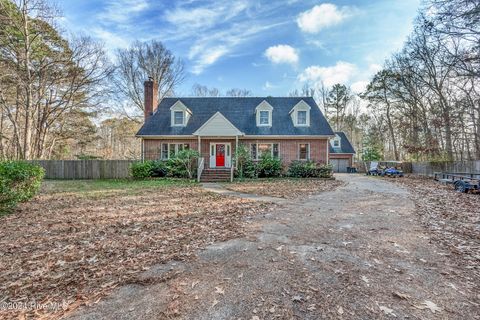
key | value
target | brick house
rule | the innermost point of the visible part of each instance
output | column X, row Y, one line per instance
column 291, row 128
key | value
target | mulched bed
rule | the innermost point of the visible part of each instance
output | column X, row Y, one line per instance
column 284, row 188
column 64, row 250
column 452, row 217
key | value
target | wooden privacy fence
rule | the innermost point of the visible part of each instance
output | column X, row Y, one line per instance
column 85, row 169
column 428, row 168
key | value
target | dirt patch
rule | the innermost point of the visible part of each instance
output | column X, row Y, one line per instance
column 62, row 250
column 453, row 218
column 284, row 188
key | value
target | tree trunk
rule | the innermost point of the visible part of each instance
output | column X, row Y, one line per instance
column 28, row 88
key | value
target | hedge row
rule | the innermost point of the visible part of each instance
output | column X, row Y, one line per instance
column 19, row 182
column 183, row 165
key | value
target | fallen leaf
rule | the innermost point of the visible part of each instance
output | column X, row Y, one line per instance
column 387, row 311
column 400, row 295
column 340, row 310
column 219, row 290
column 429, row 305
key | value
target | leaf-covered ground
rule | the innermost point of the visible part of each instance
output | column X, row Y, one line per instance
column 77, row 241
column 359, row 252
column 452, row 217
column 284, row 188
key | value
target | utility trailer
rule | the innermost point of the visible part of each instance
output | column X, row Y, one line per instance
column 461, row 181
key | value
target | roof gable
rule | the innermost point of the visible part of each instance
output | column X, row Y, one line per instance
column 218, row 125
column 345, row 145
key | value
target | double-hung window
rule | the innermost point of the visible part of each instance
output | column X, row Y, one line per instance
column 304, row 151
column 259, row 149
column 178, row 118
column 264, row 118
column 170, row 150
column 301, row 117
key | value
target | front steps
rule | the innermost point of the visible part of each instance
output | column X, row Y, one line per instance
column 215, row 175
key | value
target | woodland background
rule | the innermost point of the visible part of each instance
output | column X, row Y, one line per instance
column 63, row 97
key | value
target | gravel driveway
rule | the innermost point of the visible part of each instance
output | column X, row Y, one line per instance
column 354, row 253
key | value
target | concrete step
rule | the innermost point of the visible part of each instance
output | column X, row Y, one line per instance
column 214, row 180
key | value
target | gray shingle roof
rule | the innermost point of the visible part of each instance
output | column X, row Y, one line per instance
column 240, row 112
column 345, row 145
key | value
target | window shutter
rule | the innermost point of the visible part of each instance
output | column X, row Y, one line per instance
column 164, row 152
column 275, row 150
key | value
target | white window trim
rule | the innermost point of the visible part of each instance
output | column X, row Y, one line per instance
column 179, row 107
column 308, row 153
column 168, row 149
column 301, row 106
column 336, row 141
column 306, row 119
column 183, row 119
column 271, row 149
column 269, row 123
column 264, row 106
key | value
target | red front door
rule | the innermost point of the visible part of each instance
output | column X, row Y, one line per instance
column 220, row 155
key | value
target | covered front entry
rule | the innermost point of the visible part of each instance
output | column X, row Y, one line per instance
column 220, row 155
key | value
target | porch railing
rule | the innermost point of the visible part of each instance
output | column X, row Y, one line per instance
column 201, row 164
column 232, row 169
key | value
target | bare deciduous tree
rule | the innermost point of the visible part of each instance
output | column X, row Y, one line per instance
column 136, row 64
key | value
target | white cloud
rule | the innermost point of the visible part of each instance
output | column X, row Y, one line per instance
column 213, row 29
column 322, row 16
column 120, row 11
column 267, row 86
column 341, row 72
column 282, row 54
column 207, row 58
column 189, row 21
column 112, row 41
column 359, row 86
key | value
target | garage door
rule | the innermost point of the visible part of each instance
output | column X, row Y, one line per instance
column 339, row 165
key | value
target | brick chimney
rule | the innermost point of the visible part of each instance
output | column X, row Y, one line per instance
column 151, row 97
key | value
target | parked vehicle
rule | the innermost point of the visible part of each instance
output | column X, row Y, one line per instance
column 385, row 168
column 463, row 182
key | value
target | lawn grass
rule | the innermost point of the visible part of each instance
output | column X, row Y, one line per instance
column 96, row 188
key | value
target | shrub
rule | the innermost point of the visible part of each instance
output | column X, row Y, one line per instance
column 141, row 170
column 269, row 167
column 309, row 169
column 19, row 182
column 148, row 169
column 159, row 169
column 184, row 164
column 245, row 166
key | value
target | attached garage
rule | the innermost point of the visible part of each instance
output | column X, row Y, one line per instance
column 340, row 153
column 340, row 165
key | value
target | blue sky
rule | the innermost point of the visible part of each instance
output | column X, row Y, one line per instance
column 269, row 47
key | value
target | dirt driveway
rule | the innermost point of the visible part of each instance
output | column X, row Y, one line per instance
column 354, row 253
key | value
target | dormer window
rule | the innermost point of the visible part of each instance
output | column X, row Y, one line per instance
column 300, row 114
column 336, row 142
column 264, row 114
column 178, row 117
column 264, row 118
column 302, row 118
column 180, row 114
